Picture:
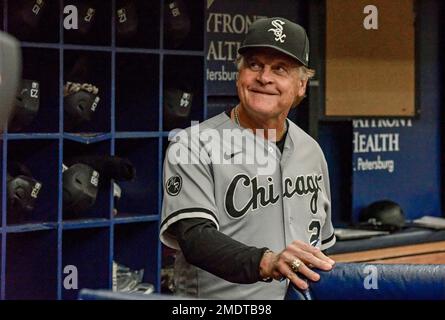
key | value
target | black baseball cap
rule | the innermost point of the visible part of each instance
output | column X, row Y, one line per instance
column 279, row 34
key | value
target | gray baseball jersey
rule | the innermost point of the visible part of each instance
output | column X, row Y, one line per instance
column 250, row 191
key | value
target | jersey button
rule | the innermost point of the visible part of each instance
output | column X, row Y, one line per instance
column 271, row 149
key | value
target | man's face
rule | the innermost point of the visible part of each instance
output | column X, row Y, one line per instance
column 269, row 82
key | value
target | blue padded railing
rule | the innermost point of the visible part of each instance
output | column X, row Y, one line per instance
column 365, row 281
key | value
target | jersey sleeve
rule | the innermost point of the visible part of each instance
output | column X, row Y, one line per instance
column 188, row 187
column 327, row 232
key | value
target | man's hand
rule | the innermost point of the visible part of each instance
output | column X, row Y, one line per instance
column 297, row 257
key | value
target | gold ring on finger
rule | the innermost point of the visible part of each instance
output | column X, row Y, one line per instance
column 295, row 265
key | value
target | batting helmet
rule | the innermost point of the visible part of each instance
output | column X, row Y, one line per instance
column 383, row 215
column 23, row 189
column 80, row 186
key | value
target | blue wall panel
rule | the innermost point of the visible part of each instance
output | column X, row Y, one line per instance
column 415, row 181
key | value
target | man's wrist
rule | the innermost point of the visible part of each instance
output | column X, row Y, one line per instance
column 265, row 263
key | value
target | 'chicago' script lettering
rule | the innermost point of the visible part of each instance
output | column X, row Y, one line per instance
column 264, row 196
column 260, row 196
column 302, row 186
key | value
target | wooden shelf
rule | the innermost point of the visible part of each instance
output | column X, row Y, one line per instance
column 425, row 253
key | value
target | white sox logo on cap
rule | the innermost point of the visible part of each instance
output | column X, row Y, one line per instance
column 278, row 31
column 280, row 34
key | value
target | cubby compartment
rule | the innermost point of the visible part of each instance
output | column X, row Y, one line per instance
column 139, row 196
column 94, row 23
column 38, row 159
column 34, row 20
column 137, row 92
column 41, row 70
column 31, row 265
column 134, row 248
column 85, row 253
column 137, row 23
column 183, row 24
column 86, row 114
column 95, row 204
column 183, row 100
